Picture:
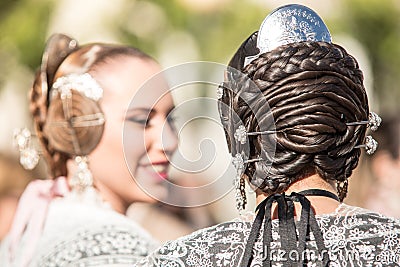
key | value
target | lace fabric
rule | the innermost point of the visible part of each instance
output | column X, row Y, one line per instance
column 83, row 234
column 352, row 236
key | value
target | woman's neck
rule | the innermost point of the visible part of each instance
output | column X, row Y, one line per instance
column 321, row 205
column 106, row 194
column 112, row 198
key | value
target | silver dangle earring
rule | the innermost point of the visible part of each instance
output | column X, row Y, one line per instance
column 241, row 135
column 82, row 179
column 240, row 194
column 29, row 157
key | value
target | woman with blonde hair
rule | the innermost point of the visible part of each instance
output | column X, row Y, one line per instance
column 89, row 130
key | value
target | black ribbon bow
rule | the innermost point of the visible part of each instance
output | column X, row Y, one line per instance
column 291, row 243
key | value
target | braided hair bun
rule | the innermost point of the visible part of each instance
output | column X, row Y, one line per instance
column 61, row 139
column 312, row 89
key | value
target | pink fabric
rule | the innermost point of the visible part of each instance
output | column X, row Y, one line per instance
column 31, row 214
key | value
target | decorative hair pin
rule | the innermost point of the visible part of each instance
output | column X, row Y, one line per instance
column 290, row 24
column 220, row 92
column 240, row 194
column 82, row 83
column 373, row 122
column 29, row 157
column 86, row 85
column 241, row 134
column 370, row 145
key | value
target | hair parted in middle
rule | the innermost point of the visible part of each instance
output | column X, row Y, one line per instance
column 312, row 89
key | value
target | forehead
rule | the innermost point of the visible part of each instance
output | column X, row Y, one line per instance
column 128, row 80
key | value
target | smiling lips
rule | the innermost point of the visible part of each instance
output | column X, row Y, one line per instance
column 161, row 169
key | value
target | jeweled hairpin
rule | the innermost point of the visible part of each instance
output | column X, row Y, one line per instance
column 241, row 134
column 239, row 162
column 29, row 157
column 374, row 121
column 220, row 92
column 83, row 83
column 290, row 24
column 370, row 145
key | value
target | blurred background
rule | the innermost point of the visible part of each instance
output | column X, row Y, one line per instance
column 179, row 31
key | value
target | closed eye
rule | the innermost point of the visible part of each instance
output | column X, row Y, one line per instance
column 141, row 116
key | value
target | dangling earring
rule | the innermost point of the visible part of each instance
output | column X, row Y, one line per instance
column 239, row 183
column 242, row 190
column 29, row 157
column 240, row 193
column 82, row 179
column 341, row 187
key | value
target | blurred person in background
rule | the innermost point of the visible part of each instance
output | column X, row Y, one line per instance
column 80, row 103
column 295, row 117
column 384, row 191
column 13, row 180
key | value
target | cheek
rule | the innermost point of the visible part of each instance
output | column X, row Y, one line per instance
column 134, row 147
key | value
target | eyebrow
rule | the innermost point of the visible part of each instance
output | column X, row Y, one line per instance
column 132, row 111
column 148, row 110
column 170, row 110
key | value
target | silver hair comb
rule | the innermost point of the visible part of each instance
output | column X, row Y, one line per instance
column 290, row 24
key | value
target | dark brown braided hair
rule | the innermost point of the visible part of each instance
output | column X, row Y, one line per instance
column 63, row 56
column 312, row 89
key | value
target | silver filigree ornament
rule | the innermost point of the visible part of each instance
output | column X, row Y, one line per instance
column 370, row 145
column 82, row 83
column 290, row 24
column 238, row 163
column 29, row 157
column 240, row 135
column 374, row 121
column 21, row 137
column 220, row 92
column 82, row 178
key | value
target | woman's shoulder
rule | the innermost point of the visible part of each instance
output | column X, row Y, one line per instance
column 213, row 233
column 215, row 244
column 82, row 232
column 348, row 213
column 359, row 235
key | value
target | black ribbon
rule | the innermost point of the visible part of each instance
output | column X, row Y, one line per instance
column 290, row 241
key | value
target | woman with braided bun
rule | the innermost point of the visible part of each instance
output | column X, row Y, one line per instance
column 295, row 113
column 80, row 102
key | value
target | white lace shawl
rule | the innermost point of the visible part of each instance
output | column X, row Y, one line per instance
column 84, row 234
column 352, row 236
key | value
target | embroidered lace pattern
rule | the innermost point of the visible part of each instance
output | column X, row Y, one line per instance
column 108, row 245
column 84, row 234
column 352, row 236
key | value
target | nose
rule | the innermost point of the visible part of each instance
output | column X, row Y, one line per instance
column 167, row 140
